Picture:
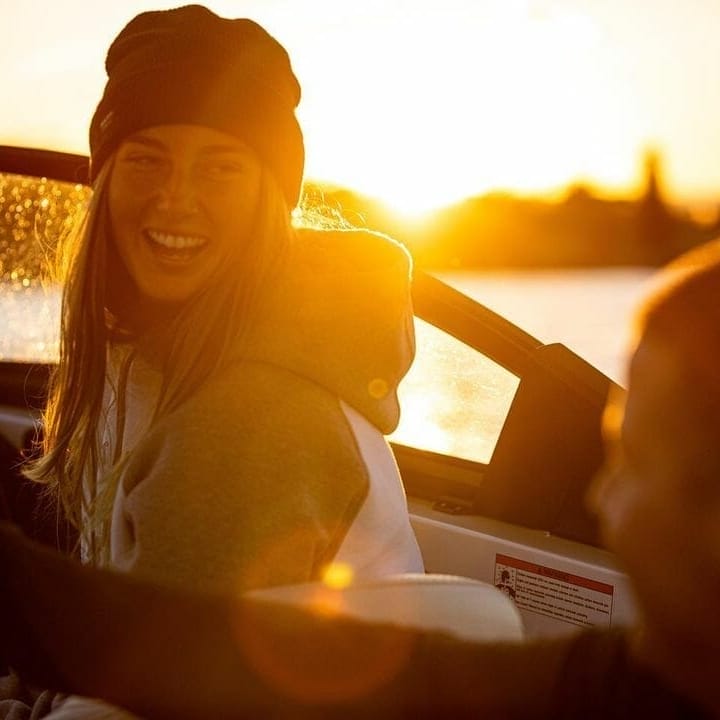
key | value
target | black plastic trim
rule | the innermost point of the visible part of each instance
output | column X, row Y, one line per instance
column 67, row 167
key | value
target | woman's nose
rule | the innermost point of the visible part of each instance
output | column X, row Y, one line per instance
column 178, row 194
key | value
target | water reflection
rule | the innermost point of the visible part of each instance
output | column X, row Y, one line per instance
column 34, row 213
column 29, row 324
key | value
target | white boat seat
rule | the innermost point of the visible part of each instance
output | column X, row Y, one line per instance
column 466, row 608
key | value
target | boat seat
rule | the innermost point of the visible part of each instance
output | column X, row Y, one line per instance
column 465, row 608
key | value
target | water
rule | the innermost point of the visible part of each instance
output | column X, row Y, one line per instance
column 29, row 322
column 589, row 310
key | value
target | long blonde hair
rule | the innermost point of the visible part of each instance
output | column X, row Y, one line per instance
column 197, row 342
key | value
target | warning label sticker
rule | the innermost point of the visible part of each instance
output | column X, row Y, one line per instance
column 554, row 593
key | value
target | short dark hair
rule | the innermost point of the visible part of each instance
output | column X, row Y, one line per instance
column 683, row 314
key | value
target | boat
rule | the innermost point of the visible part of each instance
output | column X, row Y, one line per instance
column 510, row 517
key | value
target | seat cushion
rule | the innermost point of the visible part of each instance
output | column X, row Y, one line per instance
column 468, row 609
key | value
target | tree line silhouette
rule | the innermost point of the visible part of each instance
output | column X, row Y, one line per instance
column 499, row 230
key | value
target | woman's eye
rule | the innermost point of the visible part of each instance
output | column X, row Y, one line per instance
column 143, row 161
column 222, row 169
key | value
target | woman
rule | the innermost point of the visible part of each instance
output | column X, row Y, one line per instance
column 225, row 381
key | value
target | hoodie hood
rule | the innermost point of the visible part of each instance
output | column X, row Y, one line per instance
column 340, row 314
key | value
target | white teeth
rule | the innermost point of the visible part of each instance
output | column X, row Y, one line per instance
column 176, row 242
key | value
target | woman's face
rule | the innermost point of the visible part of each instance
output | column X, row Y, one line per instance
column 182, row 198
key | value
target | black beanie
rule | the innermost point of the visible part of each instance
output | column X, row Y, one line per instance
column 187, row 65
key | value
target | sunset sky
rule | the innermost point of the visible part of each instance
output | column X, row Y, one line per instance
column 422, row 103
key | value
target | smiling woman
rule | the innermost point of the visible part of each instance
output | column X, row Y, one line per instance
column 217, row 417
column 225, row 382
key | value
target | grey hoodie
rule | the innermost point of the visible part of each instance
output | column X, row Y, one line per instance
column 278, row 466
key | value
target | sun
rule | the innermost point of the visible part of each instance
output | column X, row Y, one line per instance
column 506, row 111
column 413, row 200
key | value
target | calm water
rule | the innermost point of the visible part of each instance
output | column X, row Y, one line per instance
column 588, row 310
column 453, row 402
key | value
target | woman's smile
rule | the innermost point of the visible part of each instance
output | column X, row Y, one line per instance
column 174, row 247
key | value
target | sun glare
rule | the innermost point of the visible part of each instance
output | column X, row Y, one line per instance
column 496, row 105
column 338, row 576
column 414, row 199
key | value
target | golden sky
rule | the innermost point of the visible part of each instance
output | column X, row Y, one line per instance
column 424, row 102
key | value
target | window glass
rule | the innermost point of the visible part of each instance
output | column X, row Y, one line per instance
column 34, row 213
column 454, row 400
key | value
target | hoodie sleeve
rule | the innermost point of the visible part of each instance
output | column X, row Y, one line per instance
column 253, row 482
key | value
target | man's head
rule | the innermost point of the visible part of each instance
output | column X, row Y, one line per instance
column 658, row 497
column 669, row 423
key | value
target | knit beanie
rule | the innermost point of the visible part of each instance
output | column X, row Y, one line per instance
column 190, row 66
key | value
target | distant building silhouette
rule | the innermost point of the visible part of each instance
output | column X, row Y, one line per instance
column 656, row 225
